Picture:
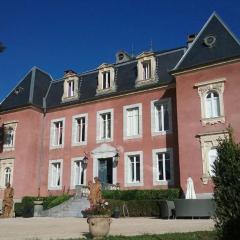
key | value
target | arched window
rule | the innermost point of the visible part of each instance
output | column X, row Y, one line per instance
column 7, row 175
column 212, row 156
column 212, row 105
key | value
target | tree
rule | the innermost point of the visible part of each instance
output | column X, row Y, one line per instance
column 227, row 188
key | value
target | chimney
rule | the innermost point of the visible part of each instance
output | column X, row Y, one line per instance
column 69, row 72
column 190, row 39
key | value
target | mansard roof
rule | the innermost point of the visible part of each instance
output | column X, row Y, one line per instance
column 29, row 91
column 125, row 77
column 226, row 45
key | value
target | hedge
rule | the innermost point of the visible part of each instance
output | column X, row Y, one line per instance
column 153, row 194
column 136, row 208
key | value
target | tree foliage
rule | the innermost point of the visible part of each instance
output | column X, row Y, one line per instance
column 227, row 188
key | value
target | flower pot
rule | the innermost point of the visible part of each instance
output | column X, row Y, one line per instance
column 99, row 226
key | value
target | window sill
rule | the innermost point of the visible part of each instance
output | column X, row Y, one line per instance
column 68, row 99
column 212, row 121
column 106, row 91
column 55, row 188
column 163, row 182
column 74, row 144
column 8, row 148
column 132, row 137
column 161, row 133
column 56, row 147
column 136, row 184
column 143, row 82
column 104, row 140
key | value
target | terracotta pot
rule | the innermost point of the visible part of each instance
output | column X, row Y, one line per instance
column 99, row 226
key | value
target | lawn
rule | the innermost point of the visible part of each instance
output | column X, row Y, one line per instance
column 206, row 235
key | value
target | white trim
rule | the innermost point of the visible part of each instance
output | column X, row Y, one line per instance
column 51, row 133
column 50, row 187
column 153, row 120
column 72, row 180
column 127, row 170
column 98, row 126
column 13, row 125
column 125, row 108
column 74, row 143
column 218, row 80
column 6, row 163
column 155, row 166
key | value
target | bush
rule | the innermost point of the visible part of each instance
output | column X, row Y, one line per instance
column 227, row 187
column 58, row 200
column 154, row 194
column 18, row 208
column 136, row 208
column 28, row 206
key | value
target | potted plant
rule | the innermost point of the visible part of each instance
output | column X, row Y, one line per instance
column 99, row 219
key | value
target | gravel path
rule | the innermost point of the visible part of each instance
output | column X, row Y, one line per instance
column 65, row 228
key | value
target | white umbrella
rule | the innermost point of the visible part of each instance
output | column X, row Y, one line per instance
column 190, row 194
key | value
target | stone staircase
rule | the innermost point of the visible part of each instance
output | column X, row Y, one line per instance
column 71, row 208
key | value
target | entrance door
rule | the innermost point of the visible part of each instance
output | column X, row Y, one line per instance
column 105, row 170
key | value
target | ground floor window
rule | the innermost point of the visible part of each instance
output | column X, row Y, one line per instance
column 78, row 174
column 134, row 168
column 6, row 172
column 163, row 166
column 55, row 174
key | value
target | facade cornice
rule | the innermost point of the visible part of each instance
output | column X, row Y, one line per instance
column 40, row 110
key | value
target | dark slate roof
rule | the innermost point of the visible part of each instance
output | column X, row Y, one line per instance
column 30, row 90
column 226, row 45
column 125, row 77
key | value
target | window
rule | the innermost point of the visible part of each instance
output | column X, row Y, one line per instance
column 78, row 175
column 6, row 171
column 7, row 175
column 79, row 130
column 134, row 169
column 209, row 143
column 70, row 88
column 162, row 166
column 55, row 174
column 9, row 132
column 146, row 70
column 105, row 125
column 161, row 116
column 212, row 105
column 132, row 121
column 212, row 156
column 211, row 97
column 106, row 80
column 57, row 133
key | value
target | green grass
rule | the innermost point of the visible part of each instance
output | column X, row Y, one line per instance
column 205, row 235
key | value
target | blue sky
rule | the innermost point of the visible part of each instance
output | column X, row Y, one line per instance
column 56, row 35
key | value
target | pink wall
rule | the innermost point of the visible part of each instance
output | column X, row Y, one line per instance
column 189, row 116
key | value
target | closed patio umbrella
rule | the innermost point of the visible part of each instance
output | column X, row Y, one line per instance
column 190, row 194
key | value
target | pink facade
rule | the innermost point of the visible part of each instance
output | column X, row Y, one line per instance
column 145, row 122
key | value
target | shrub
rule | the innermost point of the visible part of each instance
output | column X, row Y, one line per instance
column 227, row 187
column 57, row 200
column 47, row 201
column 18, row 208
column 153, row 194
column 28, row 206
column 136, row 208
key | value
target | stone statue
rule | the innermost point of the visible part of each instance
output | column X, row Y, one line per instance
column 95, row 195
column 8, row 200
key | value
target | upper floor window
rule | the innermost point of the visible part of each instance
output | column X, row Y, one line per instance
column 57, row 133
column 132, row 121
column 105, row 125
column 146, row 68
column 9, row 133
column 211, row 96
column 106, row 81
column 70, row 86
column 79, row 129
column 161, row 116
column 78, row 174
column 212, row 105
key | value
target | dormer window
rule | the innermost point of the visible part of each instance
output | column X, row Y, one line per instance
column 70, row 88
column 146, row 65
column 146, row 69
column 106, row 81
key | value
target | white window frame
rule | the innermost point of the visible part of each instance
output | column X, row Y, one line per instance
column 74, row 92
column 70, row 88
column 52, row 146
column 99, row 127
column 127, row 171
column 215, row 105
column 216, row 85
column 75, row 127
column 155, row 153
column 153, row 119
column 125, row 125
column 50, row 176
column 13, row 125
column 6, row 163
column 73, row 171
